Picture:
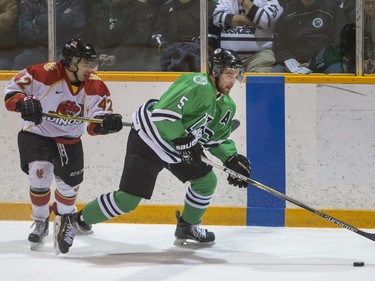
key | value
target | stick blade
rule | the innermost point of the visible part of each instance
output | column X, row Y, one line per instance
column 235, row 124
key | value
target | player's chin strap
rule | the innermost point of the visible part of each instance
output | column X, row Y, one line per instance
column 276, row 193
column 75, row 74
column 217, row 84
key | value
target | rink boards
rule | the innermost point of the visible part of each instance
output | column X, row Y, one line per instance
column 308, row 136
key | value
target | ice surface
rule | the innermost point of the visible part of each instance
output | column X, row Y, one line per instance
column 136, row 252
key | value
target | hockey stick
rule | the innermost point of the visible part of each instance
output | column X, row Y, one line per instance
column 78, row 118
column 235, row 124
column 325, row 216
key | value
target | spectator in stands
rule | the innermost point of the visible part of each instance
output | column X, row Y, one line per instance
column 9, row 38
column 153, row 7
column 369, row 40
column 176, row 35
column 33, row 25
column 246, row 27
column 307, row 37
column 119, row 29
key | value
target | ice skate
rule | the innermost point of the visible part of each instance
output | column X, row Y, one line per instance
column 186, row 231
column 84, row 228
column 40, row 231
column 65, row 229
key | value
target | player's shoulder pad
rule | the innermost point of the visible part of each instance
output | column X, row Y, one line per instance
column 196, row 78
column 46, row 73
column 94, row 76
column 200, row 79
column 94, row 85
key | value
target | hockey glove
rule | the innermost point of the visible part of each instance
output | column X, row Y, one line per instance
column 240, row 164
column 112, row 123
column 31, row 109
column 189, row 149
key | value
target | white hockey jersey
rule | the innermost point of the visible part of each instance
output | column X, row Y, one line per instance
column 50, row 84
column 245, row 39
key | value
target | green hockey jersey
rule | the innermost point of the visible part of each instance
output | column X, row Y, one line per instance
column 190, row 105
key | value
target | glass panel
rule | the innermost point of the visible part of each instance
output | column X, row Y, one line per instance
column 287, row 36
column 33, row 29
column 159, row 35
column 369, row 36
column 9, row 36
column 119, row 30
column 147, row 35
column 175, row 36
column 315, row 36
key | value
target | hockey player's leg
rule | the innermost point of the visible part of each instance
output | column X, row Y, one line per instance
column 65, row 230
column 40, row 178
column 41, row 218
column 37, row 236
column 65, row 220
column 109, row 205
column 197, row 199
column 105, row 207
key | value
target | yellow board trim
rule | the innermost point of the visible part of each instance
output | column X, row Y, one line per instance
column 172, row 76
column 149, row 214
column 356, row 218
column 233, row 216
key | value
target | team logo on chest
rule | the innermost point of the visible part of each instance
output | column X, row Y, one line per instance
column 200, row 128
column 67, row 108
column 70, row 108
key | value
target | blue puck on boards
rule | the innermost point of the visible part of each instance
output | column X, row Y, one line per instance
column 358, row 263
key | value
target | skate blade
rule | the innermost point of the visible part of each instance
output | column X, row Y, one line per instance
column 180, row 242
column 35, row 246
column 191, row 244
column 56, row 230
column 83, row 232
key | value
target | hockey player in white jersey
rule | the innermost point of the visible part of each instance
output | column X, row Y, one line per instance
column 51, row 147
column 246, row 27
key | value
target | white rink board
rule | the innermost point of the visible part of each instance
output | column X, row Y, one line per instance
column 330, row 145
column 330, row 157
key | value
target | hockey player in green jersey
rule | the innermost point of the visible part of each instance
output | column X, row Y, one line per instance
column 194, row 114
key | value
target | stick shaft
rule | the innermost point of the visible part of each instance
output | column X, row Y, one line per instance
column 276, row 193
column 78, row 118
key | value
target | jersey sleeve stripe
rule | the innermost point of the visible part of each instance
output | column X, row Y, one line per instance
column 168, row 114
column 151, row 131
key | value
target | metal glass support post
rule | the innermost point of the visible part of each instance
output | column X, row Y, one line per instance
column 359, row 54
column 203, row 35
column 52, row 56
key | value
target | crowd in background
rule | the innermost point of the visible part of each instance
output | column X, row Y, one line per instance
column 297, row 36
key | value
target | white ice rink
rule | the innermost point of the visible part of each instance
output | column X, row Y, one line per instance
column 136, row 252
